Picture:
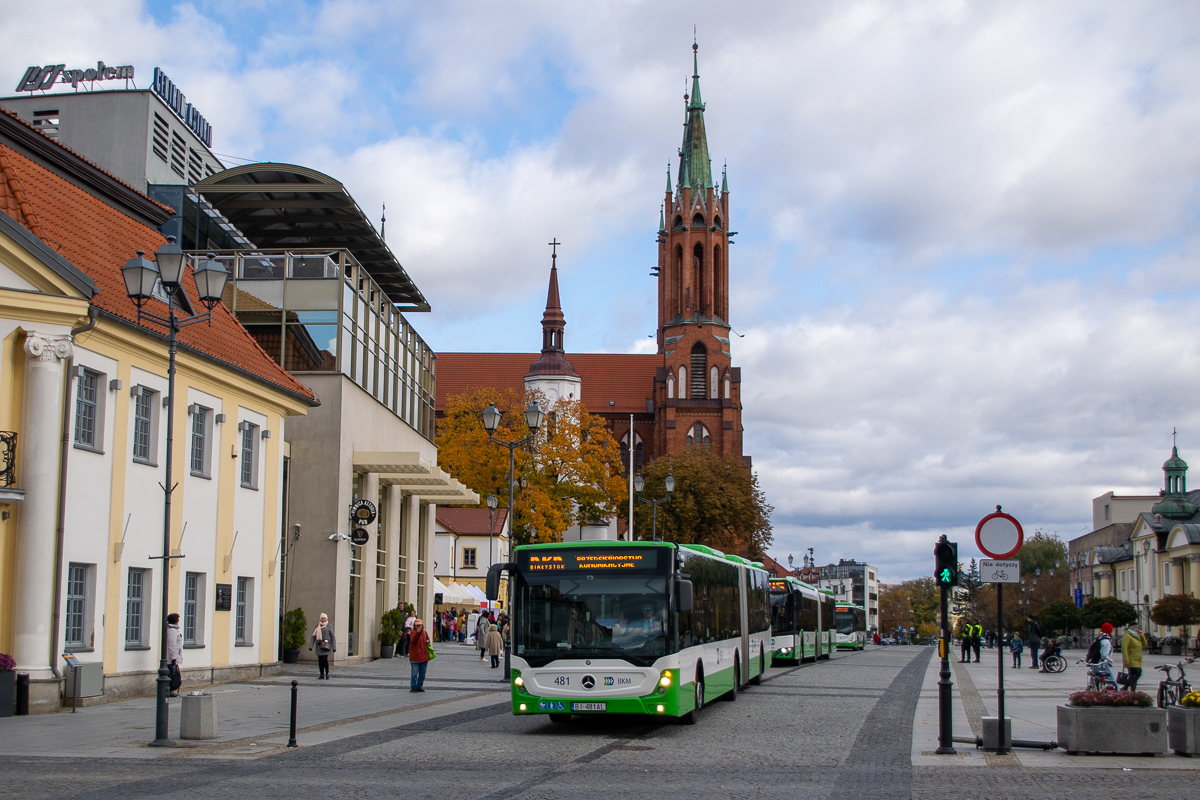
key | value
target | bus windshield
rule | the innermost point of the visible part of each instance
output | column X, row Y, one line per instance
column 581, row 615
column 782, row 607
column 844, row 621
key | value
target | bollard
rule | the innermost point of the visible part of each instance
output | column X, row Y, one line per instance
column 292, row 729
column 22, row 694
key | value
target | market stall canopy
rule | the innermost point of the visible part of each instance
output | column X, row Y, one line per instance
column 453, row 594
column 280, row 206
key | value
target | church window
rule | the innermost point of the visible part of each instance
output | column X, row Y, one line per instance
column 718, row 281
column 683, row 383
column 678, row 226
column 698, row 221
column 717, row 221
column 638, row 453
column 699, row 435
column 678, row 279
column 699, row 368
column 670, row 387
column 713, row 384
column 727, row 387
column 698, row 279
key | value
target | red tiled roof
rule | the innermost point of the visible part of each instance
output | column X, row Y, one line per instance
column 626, row 379
column 98, row 239
column 470, row 521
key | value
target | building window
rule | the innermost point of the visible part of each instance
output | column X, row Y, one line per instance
column 47, row 122
column 193, row 609
column 1107, row 512
column 249, row 455
column 713, row 384
column 201, row 444
column 244, row 612
column 468, row 558
column 88, row 409
column 78, row 622
column 135, row 607
column 1166, row 578
column 145, row 418
column 638, row 453
column 699, row 435
column 699, row 370
column 670, row 387
column 683, row 383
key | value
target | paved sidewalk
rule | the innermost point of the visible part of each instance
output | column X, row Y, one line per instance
column 253, row 716
column 1030, row 700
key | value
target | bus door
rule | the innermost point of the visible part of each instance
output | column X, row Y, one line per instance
column 745, row 619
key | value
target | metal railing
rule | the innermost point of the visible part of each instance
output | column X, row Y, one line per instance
column 277, row 264
column 8, row 458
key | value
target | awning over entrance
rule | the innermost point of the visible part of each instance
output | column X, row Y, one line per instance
column 279, row 206
column 392, row 463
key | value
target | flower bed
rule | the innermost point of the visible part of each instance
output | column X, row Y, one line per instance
column 1111, row 700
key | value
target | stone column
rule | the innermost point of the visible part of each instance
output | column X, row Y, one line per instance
column 390, row 528
column 1177, row 575
column 41, row 427
column 368, row 639
column 1194, row 574
column 412, row 537
column 429, row 535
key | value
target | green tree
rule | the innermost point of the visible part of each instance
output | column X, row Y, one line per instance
column 1100, row 610
column 1044, row 551
column 925, row 598
column 717, row 502
column 1176, row 610
column 1059, row 615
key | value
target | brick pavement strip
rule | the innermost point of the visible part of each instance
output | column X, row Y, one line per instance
column 880, row 764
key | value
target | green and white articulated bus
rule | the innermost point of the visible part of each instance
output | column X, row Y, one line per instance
column 648, row 628
column 851, row 623
column 801, row 621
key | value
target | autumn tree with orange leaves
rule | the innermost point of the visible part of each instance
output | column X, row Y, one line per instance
column 569, row 475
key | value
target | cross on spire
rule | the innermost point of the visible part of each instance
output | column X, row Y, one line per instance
column 554, row 245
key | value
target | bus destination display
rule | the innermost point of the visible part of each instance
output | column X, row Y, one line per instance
column 589, row 560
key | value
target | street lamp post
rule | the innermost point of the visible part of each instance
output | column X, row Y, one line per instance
column 639, row 483
column 491, row 423
column 492, row 502
column 141, row 278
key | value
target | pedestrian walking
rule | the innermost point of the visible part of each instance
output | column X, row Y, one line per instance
column 1017, row 647
column 418, row 656
column 408, row 626
column 324, row 642
column 1033, row 634
column 1131, row 654
column 174, row 653
column 1104, row 652
column 481, row 633
column 495, row 645
column 976, row 639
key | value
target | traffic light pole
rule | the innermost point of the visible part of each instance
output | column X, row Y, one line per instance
column 945, row 707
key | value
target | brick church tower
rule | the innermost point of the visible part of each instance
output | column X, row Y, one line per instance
column 697, row 390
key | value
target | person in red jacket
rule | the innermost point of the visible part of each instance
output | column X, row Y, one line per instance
column 418, row 655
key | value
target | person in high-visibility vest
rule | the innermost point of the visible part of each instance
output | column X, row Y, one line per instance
column 976, row 639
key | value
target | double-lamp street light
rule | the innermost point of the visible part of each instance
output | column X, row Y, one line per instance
column 491, row 423
column 639, row 483
column 142, row 277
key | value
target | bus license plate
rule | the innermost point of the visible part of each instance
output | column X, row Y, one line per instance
column 589, row 706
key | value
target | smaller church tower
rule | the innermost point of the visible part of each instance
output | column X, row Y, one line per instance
column 697, row 388
column 1175, row 503
column 553, row 374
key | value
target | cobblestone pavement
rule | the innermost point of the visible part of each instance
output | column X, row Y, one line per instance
column 830, row 730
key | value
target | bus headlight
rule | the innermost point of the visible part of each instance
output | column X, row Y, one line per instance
column 665, row 680
column 518, row 681
column 522, row 706
column 661, row 708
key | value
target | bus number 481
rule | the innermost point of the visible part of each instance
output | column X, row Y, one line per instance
column 562, row 681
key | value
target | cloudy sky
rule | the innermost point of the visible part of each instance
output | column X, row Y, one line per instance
column 967, row 253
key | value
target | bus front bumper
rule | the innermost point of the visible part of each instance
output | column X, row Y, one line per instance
column 666, row 700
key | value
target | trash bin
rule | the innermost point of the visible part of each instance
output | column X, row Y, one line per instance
column 198, row 716
column 23, row 694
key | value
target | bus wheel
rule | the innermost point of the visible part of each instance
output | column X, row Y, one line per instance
column 698, row 692
column 560, row 717
column 737, row 678
column 762, row 667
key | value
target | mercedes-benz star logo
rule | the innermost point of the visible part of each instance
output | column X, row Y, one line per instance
column 588, row 681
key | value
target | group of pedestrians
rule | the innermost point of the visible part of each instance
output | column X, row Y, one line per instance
column 415, row 643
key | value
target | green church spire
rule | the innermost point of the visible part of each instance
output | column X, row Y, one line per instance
column 695, row 167
column 1175, row 503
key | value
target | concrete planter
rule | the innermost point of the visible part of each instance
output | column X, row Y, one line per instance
column 1172, row 649
column 1121, row 731
column 1184, row 724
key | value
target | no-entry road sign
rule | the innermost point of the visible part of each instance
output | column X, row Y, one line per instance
column 999, row 535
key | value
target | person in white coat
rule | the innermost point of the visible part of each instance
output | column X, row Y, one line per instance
column 174, row 653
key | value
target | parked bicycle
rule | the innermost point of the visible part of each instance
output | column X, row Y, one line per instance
column 1171, row 691
column 1099, row 677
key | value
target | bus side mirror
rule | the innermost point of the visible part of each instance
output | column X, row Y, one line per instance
column 492, row 591
column 683, row 592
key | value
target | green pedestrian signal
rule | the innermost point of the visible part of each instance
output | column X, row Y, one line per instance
column 945, row 570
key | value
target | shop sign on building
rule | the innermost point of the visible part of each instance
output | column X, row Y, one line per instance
column 39, row 79
column 177, row 102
